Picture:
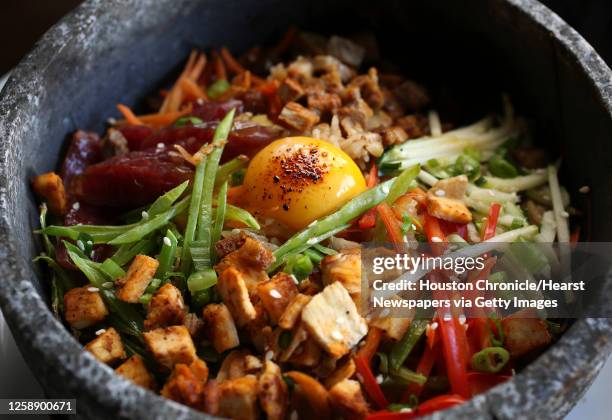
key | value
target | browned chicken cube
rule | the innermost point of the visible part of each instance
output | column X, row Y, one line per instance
column 107, row 347
column 345, row 268
column 290, row 90
column 238, row 398
column 273, row 392
column 137, row 278
column 220, row 327
column 170, row 345
column 276, row 294
column 84, row 307
column 165, row 308
column 186, row 384
column 233, row 290
column 523, row 335
column 293, row 311
column 135, row 370
column 50, row 187
column 297, row 117
column 347, row 400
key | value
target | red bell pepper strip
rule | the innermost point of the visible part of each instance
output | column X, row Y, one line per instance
column 394, row 229
column 454, row 347
column 489, row 230
column 372, row 388
column 426, row 364
column 482, row 382
column 371, row 344
column 438, row 403
column 434, row 233
column 368, row 220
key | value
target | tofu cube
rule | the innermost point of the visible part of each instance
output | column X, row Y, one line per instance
column 220, row 326
column 165, row 308
column 137, row 278
column 331, row 318
column 135, row 370
column 107, row 347
column 276, row 294
column 50, row 187
column 84, row 307
column 233, row 290
column 171, row 345
column 347, row 400
column 186, row 384
column 238, row 398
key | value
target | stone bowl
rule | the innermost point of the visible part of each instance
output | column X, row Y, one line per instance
column 110, row 51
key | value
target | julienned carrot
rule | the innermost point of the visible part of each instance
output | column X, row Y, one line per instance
column 198, row 67
column 392, row 224
column 158, row 120
column 368, row 220
column 230, row 62
column 234, row 194
column 175, row 91
column 129, row 115
column 192, row 90
column 370, row 346
column 192, row 71
column 219, row 66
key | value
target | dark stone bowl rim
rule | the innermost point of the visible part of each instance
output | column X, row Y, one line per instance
column 118, row 396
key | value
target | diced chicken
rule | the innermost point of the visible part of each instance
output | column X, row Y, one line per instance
column 323, row 103
column 276, row 293
column 329, row 64
column 171, row 345
column 107, row 347
column 272, row 391
column 343, row 267
column 220, row 327
column 137, row 278
column 255, row 328
column 379, row 121
column 347, row 400
column 251, row 257
column 293, row 311
column 235, row 365
column 84, row 307
column 233, row 290
column 331, row 318
column 211, row 397
column 444, row 200
column 415, row 125
column 290, row 90
column 194, row 324
column 50, row 187
column 296, row 117
column 394, row 135
column 369, row 88
column 186, row 384
column 238, row 398
column 299, row 336
column 523, row 335
column 300, row 69
column 394, row 327
column 345, row 371
column 165, row 308
column 346, row 50
column 135, row 370
column 306, row 355
column 357, row 112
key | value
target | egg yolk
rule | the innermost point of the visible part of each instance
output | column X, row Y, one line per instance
column 297, row 180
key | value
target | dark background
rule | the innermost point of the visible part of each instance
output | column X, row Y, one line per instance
column 22, row 22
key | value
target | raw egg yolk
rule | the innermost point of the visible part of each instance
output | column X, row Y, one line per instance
column 297, row 180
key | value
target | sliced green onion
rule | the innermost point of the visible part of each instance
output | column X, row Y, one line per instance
column 490, row 359
column 112, row 269
column 167, row 255
column 402, row 183
column 236, row 214
column 501, row 167
column 408, row 376
column 219, row 217
column 125, row 253
column 299, row 265
column 164, row 202
column 188, row 120
column 153, row 286
column 228, row 168
column 315, row 256
column 217, row 89
column 201, row 280
column 193, row 215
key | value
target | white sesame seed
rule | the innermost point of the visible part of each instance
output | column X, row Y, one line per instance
column 337, row 335
column 405, row 410
column 295, row 280
column 100, row 331
column 462, row 319
column 379, row 379
column 167, row 241
column 275, row 294
column 76, row 205
column 111, row 121
column 108, row 284
column 564, row 214
column 363, row 329
column 269, row 355
column 440, row 193
column 160, row 145
column 359, row 377
column 93, row 289
column 436, row 239
column 434, row 325
column 447, row 317
column 585, row 189
column 80, row 245
column 144, row 215
column 311, row 241
column 89, row 243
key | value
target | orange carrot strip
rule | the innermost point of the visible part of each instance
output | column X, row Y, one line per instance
column 192, row 90
column 285, row 42
column 220, row 71
column 129, row 115
column 371, row 344
column 198, row 68
column 230, row 62
column 171, row 99
column 235, row 193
